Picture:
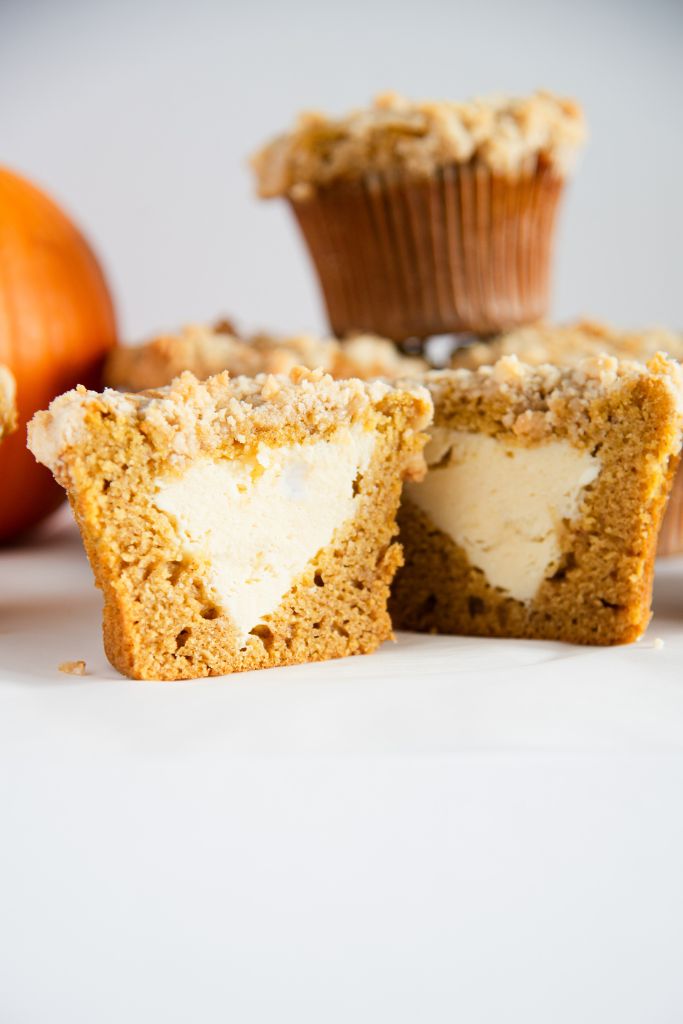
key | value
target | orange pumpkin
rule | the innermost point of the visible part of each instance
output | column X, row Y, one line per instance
column 56, row 325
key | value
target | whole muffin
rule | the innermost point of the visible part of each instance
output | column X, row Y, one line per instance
column 429, row 218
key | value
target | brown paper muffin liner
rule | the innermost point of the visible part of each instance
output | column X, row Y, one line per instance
column 464, row 251
column 671, row 533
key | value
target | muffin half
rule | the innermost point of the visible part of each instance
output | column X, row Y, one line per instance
column 237, row 524
column 539, row 513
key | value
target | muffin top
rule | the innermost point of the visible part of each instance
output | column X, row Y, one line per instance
column 534, row 402
column 568, row 344
column 206, row 351
column 188, row 418
column 508, row 135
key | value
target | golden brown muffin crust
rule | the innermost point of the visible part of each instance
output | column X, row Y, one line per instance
column 507, row 134
column 568, row 344
column 206, row 351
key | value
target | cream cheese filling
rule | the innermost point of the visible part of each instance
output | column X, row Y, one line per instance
column 260, row 522
column 504, row 504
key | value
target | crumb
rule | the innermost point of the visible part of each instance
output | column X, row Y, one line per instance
column 658, row 643
column 73, row 668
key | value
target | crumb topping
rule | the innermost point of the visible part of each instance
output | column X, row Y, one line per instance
column 568, row 344
column 189, row 417
column 534, row 402
column 509, row 135
column 206, row 351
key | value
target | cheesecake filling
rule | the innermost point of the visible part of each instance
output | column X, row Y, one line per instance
column 504, row 504
column 259, row 522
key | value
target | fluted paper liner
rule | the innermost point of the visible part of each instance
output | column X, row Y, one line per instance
column 671, row 533
column 464, row 251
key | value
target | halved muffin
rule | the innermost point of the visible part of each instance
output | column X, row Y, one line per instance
column 540, row 510
column 237, row 524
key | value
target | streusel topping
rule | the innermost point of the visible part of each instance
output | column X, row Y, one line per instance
column 206, row 351
column 190, row 417
column 536, row 401
column 568, row 344
column 509, row 135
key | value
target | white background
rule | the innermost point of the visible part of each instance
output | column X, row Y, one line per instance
column 474, row 834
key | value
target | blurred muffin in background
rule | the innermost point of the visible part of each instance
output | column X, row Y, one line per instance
column 429, row 218
column 209, row 350
column 568, row 344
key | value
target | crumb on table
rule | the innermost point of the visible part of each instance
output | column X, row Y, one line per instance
column 73, row 668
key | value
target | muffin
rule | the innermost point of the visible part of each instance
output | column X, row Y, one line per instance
column 205, row 351
column 527, row 524
column 429, row 218
column 238, row 523
column 565, row 346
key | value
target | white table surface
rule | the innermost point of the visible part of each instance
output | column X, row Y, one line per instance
column 450, row 829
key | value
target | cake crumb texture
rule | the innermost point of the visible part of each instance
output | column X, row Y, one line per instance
column 599, row 591
column 568, row 345
column 162, row 617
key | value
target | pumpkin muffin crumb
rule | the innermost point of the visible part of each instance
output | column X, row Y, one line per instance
column 73, row 668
